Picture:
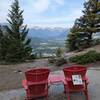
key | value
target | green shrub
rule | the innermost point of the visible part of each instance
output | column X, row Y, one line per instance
column 59, row 52
column 57, row 61
column 32, row 57
column 60, row 61
column 95, row 41
column 52, row 60
column 89, row 57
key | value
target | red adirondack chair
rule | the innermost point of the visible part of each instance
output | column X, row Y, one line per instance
column 69, row 86
column 36, row 83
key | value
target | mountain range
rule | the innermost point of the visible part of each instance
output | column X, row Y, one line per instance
column 48, row 33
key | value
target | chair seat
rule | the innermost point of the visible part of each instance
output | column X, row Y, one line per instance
column 74, row 88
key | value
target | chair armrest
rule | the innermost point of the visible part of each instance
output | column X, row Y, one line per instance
column 86, row 80
column 24, row 84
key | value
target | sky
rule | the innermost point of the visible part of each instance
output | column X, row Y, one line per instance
column 45, row 12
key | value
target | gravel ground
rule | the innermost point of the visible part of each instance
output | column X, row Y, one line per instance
column 12, row 75
column 56, row 90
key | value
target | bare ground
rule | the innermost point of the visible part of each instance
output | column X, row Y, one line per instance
column 96, row 48
column 12, row 75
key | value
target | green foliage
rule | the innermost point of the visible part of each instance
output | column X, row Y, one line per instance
column 52, row 59
column 60, row 61
column 70, row 42
column 86, row 25
column 32, row 57
column 59, row 52
column 89, row 57
column 16, row 45
column 3, row 43
column 76, row 41
column 89, row 22
column 1, row 38
column 57, row 61
column 95, row 42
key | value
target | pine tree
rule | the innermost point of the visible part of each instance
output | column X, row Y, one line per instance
column 89, row 23
column 1, row 36
column 3, row 43
column 59, row 52
column 19, row 48
column 85, row 26
column 1, row 33
column 71, row 42
column 76, row 38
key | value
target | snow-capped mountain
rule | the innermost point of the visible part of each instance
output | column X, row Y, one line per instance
column 48, row 32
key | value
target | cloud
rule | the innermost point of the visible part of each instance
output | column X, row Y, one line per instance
column 4, row 9
column 40, row 6
column 44, row 12
column 60, row 2
column 86, row 0
column 67, row 18
column 56, row 4
column 63, row 21
column 67, row 25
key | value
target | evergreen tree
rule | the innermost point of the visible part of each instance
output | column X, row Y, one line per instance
column 1, row 36
column 19, row 48
column 76, row 39
column 85, row 26
column 70, row 42
column 59, row 52
column 89, row 23
column 1, row 33
column 3, row 42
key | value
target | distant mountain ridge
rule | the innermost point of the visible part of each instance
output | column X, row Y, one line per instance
column 47, row 33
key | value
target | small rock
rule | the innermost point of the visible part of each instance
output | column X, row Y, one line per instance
column 18, row 71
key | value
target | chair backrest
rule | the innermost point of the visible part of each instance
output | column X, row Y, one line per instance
column 74, row 70
column 37, row 75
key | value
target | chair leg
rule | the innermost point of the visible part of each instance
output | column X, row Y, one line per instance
column 86, row 91
column 86, row 95
column 68, row 95
column 47, row 92
column 66, row 91
column 26, row 98
column 46, row 97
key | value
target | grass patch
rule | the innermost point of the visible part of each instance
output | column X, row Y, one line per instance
column 89, row 57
